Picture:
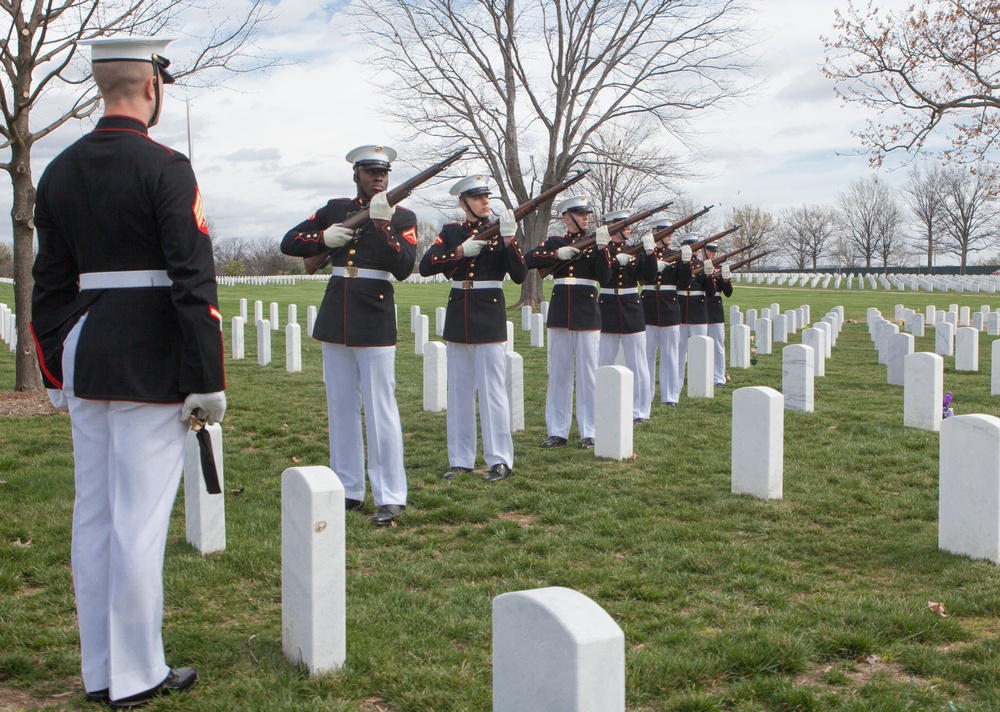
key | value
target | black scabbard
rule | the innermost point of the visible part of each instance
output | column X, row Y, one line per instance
column 208, row 469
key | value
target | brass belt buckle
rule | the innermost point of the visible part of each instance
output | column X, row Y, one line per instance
column 350, row 271
column 467, row 284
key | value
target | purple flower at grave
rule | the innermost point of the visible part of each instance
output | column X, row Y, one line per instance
column 947, row 411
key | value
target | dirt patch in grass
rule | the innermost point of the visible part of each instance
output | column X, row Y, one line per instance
column 374, row 704
column 525, row 520
column 25, row 404
column 12, row 700
column 859, row 674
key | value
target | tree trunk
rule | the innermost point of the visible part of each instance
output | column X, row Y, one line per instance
column 930, row 250
column 535, row 231
column 28, row 377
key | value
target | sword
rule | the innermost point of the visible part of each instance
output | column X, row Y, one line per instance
column 208, row 469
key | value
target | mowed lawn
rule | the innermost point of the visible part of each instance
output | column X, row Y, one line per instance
column 815, row 602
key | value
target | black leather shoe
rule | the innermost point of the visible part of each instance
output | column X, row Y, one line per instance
column 671, row 404
column 498, row 472
column 386, row 513
column 99, row 696
column 636, row 421
column 454, row 472
column 587, row 444
column 554, row 441
column 352, row 505
column 177, row 681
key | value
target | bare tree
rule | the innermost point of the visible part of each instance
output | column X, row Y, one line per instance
column 923, row 194
column 530, row 83
column 844, row 252
column 263, row 257
column 229, row 251
column 969, row 213
column 40, row 62
column 758, row 229
column 870, row 218
column 807, row 234
column 427, row 232
column 6, row 261
column 917, row 67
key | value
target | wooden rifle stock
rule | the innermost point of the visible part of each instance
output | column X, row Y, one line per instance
column 748, row 260
column 613, row 229
column 721, row 259
column 396, row 195
column 670, row 229
column 489, row 233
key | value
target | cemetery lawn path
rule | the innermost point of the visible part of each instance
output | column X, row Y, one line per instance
column 819, row 601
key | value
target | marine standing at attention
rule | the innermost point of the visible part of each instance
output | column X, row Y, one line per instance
column 357, row 325
column 129, row 335
column 475, row 329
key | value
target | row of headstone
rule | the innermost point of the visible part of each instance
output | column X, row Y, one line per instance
column 944, row 283
column 554, row 649
column 8, row 327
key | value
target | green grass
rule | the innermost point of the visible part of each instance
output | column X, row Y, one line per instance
column 727, row 603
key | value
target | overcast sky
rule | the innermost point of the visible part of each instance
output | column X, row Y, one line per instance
column 269, row 147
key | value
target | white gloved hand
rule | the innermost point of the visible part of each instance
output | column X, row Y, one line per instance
column 213, row 406
column 660, row 265
column 603, row 236
column 508, row 224
column 709, row 267
column 726, row 272
column 379, row 208
column 623, row 258
column 567, row 253
column 337, row 236
column 648, row 243
column 685, row 253
column 472, row 247
column 58, row 398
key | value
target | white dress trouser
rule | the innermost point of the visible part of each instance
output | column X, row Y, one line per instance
column 359, row 376
column 569, row 349
column 667, row 340
column 687, row 331
column 478, row 368
column 718, row 334
column 634, row 349
column 129, row 458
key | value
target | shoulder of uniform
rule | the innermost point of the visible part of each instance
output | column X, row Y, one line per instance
column 404, row 211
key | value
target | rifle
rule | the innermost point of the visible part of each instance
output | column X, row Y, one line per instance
column 489, row 233
column 748, row 260
column 636, row 249
column 670, row 229
column 396, row 195
column 721, row 259
column 615, row 228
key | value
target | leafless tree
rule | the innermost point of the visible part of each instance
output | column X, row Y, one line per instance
column 844, row 252
column 923, row 194
column 263, row 257
column 530, row 83
column 6, row 261
column 41, row 67
column 969, row 213
column 870, row 219
column 807, row 234
column 227, row 252
column 758, row 229
column 427, row 232
column 936, row 59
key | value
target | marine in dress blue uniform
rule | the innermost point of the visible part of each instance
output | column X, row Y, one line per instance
column 357, row 325
column 723, row 282
column 623, row 323
column 693, row 292
column 475, row 329
column 663, row 319
column 129, row 335
column 574, row 321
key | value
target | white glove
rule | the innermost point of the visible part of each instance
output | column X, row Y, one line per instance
column 726, row 272
column 623, row 258
column 213, row 406
column 337, row 236
column 648, row 243
column 660, row 265
column 567, row 253
column 709, row 267
column 379, row 208
column 685, row 253
column 472, row 247
column 508, row 224
column 603, row 236
column 58, row 398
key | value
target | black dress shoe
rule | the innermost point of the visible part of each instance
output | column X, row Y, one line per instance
column 177, row 681
column 352, row 505
column 454, row 472
column 99, row 696
column 386, row 513
column 586, row 444
column 498, row 472
column 671, row 404
column 554, row 441
column 636, row 421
